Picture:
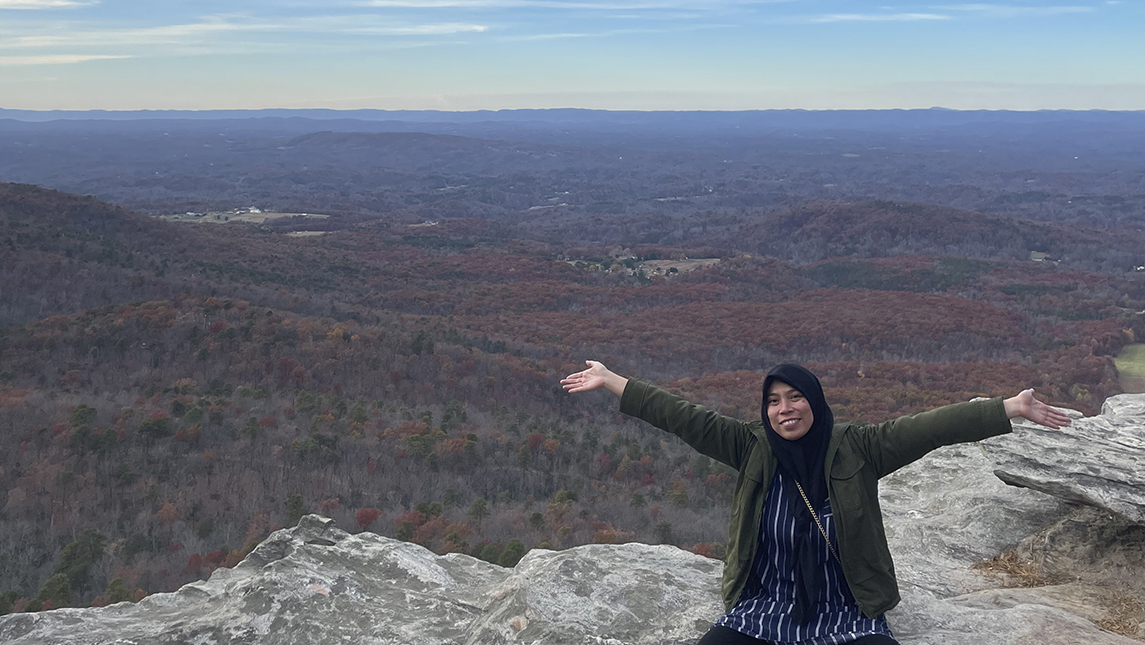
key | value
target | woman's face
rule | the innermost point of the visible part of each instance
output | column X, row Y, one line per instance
column 788, row 410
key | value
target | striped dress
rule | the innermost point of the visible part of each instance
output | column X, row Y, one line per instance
column 764, row 608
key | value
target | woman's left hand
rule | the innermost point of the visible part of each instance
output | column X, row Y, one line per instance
column 1026, row 406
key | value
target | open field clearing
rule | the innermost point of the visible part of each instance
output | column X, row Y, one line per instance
column 228, row 217
column 659, row 267
column 1131, row 366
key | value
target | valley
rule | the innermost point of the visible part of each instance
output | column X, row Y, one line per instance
column 170, row 394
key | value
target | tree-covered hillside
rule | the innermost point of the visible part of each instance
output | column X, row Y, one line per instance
column 170, row 393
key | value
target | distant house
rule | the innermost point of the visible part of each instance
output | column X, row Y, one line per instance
column 1038, row 256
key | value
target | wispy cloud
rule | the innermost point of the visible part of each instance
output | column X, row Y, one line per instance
column 1014, row 11
column 61, row 36
column 443, row 4
column 549, row 36
column 609, row 5
column 877, row 17
column 53, row 59
column 215, row 29
column 949, row 12
column 609, row 32
column 43, row 4
column 371, row 25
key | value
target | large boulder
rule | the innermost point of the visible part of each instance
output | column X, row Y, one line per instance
column 1071, row 514
column 628, row 593
column 318, row 584
column 1096, row 461
column 947, row 512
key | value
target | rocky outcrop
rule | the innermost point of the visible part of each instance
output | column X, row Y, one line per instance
column 944, row 514
column 317, row 584
column 1096, row 461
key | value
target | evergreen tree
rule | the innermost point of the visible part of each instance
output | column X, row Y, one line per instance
column 57, row 591
column 7, row 599
column 479, row 509
column 512, row 554
column 117, row 591
column 78, row 557
column 295, row 509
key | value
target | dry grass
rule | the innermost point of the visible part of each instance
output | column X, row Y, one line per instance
column 1011, row 571
column 1125, row 617
column 1124, row 614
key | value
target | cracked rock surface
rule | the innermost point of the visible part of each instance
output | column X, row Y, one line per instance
column 318, row 584
column 1096, row 461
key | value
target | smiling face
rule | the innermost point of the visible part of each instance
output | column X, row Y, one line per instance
column 788, row 410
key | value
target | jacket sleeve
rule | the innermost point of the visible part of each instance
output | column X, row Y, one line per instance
column 720, row 437
column 894, row 444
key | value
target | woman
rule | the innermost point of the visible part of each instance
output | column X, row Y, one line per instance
column 807, row 559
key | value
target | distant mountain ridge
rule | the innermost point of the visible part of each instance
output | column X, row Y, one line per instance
column 820, row 230
column 827, row 118
column 28, row 203
column 447, row 153
column 68, row 252
column 817, row 230
column 1078, row 167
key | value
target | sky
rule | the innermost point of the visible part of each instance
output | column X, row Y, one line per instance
column 605, row 54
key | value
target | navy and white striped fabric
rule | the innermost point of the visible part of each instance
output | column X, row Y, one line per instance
column 764, row 609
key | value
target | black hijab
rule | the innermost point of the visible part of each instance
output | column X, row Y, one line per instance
column 802, row 460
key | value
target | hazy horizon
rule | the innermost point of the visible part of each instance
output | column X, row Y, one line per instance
column 466, row 55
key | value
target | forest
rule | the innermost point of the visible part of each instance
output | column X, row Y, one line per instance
column 170, row 393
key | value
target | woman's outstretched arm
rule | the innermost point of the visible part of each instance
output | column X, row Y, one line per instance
column 722, row 438
column 595, row 377
column 1026, row 406
column 894, row 444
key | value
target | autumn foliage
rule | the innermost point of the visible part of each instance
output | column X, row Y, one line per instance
column 404, row 380
column 366, row 516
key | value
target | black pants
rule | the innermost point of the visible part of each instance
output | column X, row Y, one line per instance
column 720, row 635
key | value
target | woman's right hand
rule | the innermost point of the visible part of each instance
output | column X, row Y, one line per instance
column 595, row 377
column 1026, row 406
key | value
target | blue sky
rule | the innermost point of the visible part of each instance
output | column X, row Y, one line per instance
column 613, row 54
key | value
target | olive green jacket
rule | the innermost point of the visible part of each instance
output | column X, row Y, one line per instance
column 857, row 456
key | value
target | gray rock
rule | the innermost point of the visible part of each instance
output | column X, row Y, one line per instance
column 986, row 617
column 1095, row 461
column 367, row 589
column 318, row 584
column 947, row 511
column 1124, row 405
column 1074, row 598
column 293, row 589
column 628, row 593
